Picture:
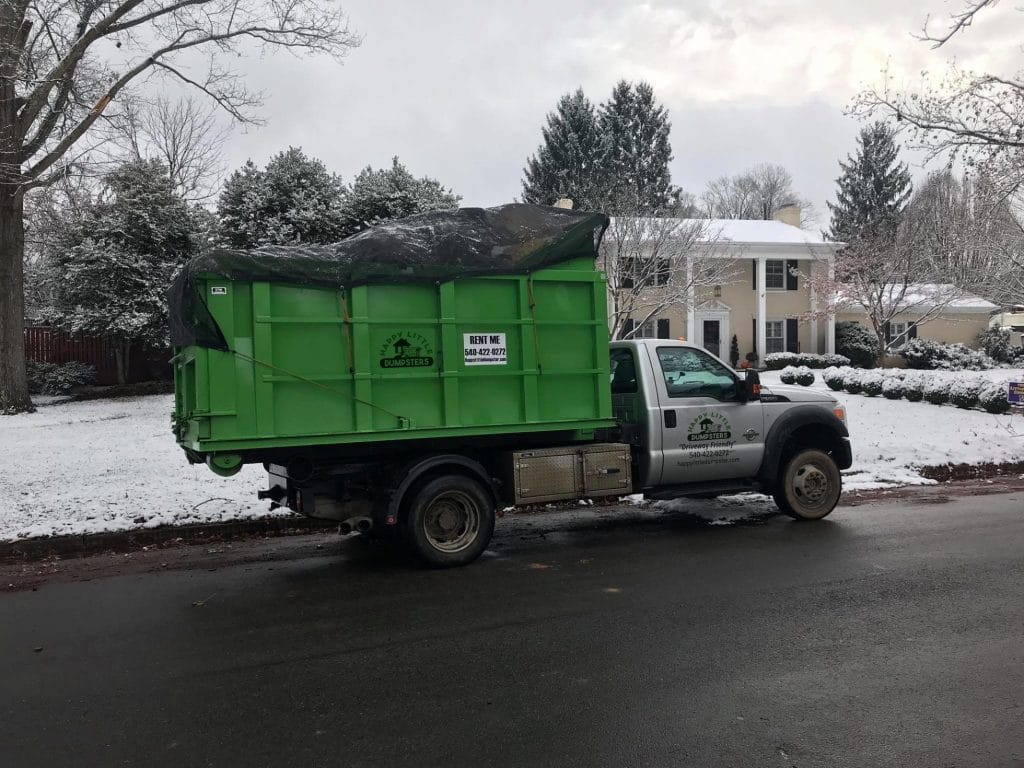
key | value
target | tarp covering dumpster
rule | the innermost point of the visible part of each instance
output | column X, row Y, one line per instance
column 435, row 247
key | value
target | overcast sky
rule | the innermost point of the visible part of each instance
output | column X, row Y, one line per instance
column 459, row 89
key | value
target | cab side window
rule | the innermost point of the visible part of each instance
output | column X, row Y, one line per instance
column 694, row 373
column 623, row 369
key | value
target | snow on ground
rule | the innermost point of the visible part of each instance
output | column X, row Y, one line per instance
column 893, row 439
column 110, row 465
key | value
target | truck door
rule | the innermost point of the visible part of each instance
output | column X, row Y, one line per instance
column 708, row 431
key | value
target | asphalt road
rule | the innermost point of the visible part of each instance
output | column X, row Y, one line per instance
column 887, row 635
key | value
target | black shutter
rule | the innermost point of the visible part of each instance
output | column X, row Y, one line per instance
column 888, row 333
column 663, row 329
column 627, row 328
column 791, row 277
column 753, row 264
column 912, row 331
column 792, row 337
column 754, row 337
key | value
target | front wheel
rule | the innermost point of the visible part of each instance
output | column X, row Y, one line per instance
column 450, row 521
column 809, row 485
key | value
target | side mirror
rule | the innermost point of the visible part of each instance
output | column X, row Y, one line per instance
column 751, row 386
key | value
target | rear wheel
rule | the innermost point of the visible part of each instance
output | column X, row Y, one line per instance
column 450, row 521
column 809, row 485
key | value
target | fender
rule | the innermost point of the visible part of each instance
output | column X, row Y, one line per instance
column 419, row 467
column 792, row 420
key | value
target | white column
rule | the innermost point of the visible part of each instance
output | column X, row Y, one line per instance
column 762, row 308
column 691, row 316
column 815, row 348
column 830, row 329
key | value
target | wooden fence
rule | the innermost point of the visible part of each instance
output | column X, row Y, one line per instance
column 52, row 345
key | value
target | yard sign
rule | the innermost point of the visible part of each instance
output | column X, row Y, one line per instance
column 1015, row 392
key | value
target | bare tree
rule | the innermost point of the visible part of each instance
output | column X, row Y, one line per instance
column 65, row 63
column 754, row 194
column 885, row 278
column 184, row 135
column 655, row 264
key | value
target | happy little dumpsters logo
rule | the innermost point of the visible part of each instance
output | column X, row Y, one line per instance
column 707, row 427
column 406, row 350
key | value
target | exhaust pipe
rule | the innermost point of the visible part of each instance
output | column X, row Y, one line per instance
column 345, row 528
column 360, row 524
column 364, row 524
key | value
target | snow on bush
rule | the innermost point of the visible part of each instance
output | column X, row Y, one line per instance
column 788, row 375
column 857, row 343
column 913, row 388
column 833, row 378
column 58, row 378
column 963, row 392
column 933, row 355
column 851, row 382
column 892, row 388
column 992, row 397
column 804, row 376
column 936, row 391
column 871, row 383
column 998, row 344
column 776, row 361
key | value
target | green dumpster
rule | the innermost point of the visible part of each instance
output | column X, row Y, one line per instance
column 404, row 332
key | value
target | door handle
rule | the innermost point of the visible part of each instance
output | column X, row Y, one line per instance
column 670, row 419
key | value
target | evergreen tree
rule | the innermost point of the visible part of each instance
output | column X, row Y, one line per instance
column 567, row 163
column 637, row 151
column 873, row 189
column 391, row 193
column 294, row 200
column 110, row 274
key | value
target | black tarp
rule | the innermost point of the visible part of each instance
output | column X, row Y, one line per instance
column 435, row 247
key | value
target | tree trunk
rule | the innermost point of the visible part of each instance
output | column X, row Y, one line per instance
column 14, row 396
column 122, row 357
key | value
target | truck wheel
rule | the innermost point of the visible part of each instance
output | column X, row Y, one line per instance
column 450, row 521
column 809, row 485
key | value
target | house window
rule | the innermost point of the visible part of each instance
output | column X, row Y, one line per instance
column 775, row 274
column 646, row 331
column 898, row 335
column 775, row 336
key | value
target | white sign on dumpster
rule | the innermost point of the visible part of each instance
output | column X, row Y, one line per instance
column 484, row 349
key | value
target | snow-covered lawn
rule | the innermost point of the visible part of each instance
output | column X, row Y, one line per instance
column 109, row 465
column 892, row 439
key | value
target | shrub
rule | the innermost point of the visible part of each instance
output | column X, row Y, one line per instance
column 936, row 391
column 913, row 388
column 996, row 343
column 734, row 351
column 892, row 388
column 851, row 382
column 963, row 393
column 58, row 378
column 857, row 343
column 788, row 375
column 833, row 378
column 776, row 361
column 871, row 383
column 992, row 397
column 804, row 376
column 933, row 355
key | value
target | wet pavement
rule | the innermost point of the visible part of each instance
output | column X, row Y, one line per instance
column 890, row 634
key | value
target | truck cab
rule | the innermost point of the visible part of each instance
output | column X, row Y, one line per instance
column 697, row 427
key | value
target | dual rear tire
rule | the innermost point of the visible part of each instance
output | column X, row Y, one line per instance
column 449, row 521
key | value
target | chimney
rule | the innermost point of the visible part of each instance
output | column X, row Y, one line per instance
column 564, row 202
column 788, row 214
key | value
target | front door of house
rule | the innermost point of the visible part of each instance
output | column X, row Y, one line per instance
column 712, row 335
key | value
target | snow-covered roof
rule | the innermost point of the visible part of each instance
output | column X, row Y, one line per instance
column 927, row 296
column 754, row 232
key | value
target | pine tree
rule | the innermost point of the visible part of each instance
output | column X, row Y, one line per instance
column 566, row 164
column 110, row 275
column 294, row 200
column 637, row 151
column 391, row 193
column 873, row 189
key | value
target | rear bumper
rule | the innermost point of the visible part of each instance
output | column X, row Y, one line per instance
column 843, row 454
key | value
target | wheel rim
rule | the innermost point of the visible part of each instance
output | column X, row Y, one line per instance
column 451, row 522
column 811, row 486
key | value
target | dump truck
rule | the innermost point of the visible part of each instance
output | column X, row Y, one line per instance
column 425, row 373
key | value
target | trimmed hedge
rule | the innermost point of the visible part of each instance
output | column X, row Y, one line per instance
column 776, row 361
